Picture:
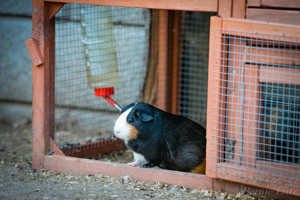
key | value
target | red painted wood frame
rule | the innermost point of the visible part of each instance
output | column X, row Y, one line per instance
column 43, row 23
column 43, row 30
column 216, row 94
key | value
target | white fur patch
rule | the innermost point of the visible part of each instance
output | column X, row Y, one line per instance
column 121, row 128
column 139, row 157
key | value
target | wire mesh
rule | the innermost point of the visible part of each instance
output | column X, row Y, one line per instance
column 194, row 49
column 255, row 121
column 96, row 47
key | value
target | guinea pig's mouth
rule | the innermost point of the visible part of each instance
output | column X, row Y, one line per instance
column 117, row 135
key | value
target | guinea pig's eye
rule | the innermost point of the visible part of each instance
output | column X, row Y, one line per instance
column 130, row 120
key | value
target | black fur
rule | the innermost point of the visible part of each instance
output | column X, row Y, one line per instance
column 166, row 140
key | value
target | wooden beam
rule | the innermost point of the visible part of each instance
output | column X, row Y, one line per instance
column 192, row 5
column 239, row 9
column 277, row 16
column 224, row 8
column 281, row 3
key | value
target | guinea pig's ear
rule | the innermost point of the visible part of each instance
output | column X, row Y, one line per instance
column 144, row 117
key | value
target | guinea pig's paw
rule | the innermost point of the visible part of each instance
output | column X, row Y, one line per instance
column 147, row 165
column 135, row 163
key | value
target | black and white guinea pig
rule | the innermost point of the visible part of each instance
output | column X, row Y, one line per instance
column 158, row 138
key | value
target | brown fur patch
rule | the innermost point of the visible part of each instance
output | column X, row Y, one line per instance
column 200, row 169
column 133, row 132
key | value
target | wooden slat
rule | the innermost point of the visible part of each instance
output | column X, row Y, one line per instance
column 214, row 98
column 251, row 115
column 34, row 52
column 273, row 56
column 281, row 3
column 162, row 60
column 192, row 5
column 262, row 28
column 238, row 9
column 224, row 8
column 253, row 3
column 277, row 16
column 280, row 75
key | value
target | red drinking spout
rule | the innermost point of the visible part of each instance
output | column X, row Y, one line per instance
column 105, row 93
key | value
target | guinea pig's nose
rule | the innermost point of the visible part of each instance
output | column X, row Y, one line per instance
column 117, row 132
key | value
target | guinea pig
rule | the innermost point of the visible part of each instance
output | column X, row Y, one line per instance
column 158, row 138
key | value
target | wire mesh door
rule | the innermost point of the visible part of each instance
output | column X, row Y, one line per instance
column 96, row 47
column 255, row 102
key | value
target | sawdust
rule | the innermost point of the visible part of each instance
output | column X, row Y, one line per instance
column 19, row 181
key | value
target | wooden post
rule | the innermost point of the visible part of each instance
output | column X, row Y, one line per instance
column 213, row 96
column 224, row 8
column 162, row 60
column 175, row 62
column 238, row 9
column 42, row 31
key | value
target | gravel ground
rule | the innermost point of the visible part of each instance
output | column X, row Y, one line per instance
column 19, row 181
